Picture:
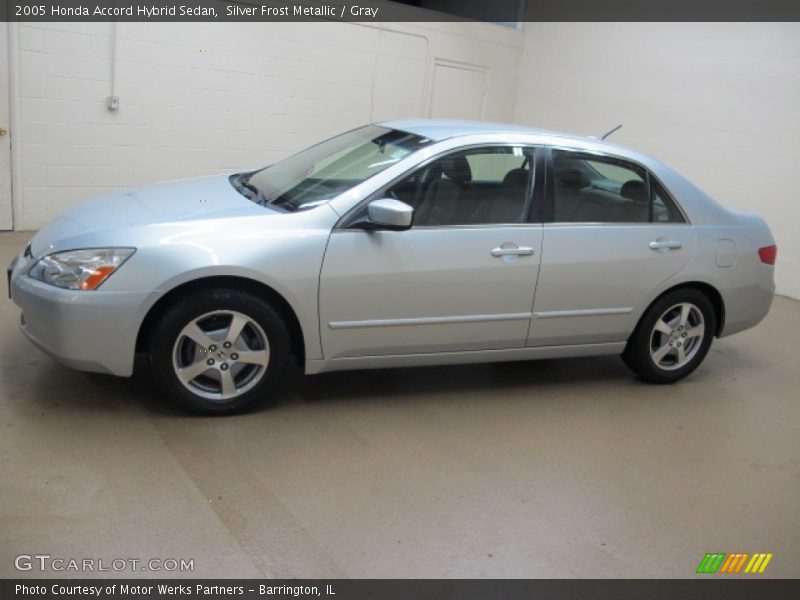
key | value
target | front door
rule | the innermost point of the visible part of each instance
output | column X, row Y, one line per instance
column 462, row 278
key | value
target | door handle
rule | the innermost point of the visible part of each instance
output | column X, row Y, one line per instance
column 520, row 251
column 671, row 245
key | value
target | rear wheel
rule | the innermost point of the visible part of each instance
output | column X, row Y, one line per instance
column 218, row 351
column 673, row 337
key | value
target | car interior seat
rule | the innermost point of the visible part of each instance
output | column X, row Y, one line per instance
column 569, row 183
column 638, row 210
column 442, row 200
column 509, row 205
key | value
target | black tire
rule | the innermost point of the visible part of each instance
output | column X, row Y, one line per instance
column 642, row 351
column 264, row 330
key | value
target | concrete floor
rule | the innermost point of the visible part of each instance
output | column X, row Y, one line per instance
column 567, row 468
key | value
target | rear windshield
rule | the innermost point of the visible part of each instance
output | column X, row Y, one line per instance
column 320, row 173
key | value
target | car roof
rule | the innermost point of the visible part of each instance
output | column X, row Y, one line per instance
column 444, row 129
column 441, row 129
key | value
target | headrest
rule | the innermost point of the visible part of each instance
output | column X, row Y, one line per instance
column 456, row 167
column 634, row 190
column 516, row 178
column 573, row 178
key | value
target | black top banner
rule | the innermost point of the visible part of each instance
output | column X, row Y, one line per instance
column 501, row 11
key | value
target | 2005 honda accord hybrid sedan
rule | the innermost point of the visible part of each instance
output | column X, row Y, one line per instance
column 396, row 244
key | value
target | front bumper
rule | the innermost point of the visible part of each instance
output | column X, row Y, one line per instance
column 89, row 331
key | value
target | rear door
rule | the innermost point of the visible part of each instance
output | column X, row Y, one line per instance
column 613, row 235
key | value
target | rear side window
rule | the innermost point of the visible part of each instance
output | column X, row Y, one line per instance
column 597, row 189
column 664, row 209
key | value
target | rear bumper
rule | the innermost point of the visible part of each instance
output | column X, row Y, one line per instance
column 746, row 306
column 89, row 331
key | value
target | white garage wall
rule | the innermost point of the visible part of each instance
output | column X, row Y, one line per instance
column 215, row 97
column 717, row 101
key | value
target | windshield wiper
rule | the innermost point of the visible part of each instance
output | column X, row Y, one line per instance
column 254, row 190
column 241, row 182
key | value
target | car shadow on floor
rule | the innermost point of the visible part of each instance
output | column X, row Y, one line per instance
column 475, row 379
column 55, row 385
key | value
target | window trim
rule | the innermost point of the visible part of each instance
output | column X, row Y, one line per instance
column 669, row 198
column 534, row 192
column 549, row 192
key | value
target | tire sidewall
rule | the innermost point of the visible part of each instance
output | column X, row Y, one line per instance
column 637, row 352
column 189, row 308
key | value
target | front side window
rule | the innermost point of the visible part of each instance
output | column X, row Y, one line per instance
column 598, row 189
column 320, row 173
column 471, row 187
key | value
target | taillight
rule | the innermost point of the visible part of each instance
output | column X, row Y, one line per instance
column 768, row 254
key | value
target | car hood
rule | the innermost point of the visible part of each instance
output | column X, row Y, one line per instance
column 174, row 201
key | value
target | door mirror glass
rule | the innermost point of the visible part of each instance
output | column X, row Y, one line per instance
column 388, row 213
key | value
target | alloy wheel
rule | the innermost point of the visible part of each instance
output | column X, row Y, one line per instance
column 677, row 336
column 221, row 355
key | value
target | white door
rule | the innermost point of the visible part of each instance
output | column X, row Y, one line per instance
column 458, row 92
column 462, row 278
column 5, row 137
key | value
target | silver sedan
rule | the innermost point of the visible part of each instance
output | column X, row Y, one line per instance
column 397, row 244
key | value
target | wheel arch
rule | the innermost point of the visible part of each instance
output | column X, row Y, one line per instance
column 259, row 289
column 709, row 290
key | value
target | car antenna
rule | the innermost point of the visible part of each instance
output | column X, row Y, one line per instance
column 609, row 132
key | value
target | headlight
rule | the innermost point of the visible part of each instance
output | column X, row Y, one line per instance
column 80, row 269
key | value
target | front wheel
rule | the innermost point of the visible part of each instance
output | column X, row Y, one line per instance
column 672, row 338
column 218, row 351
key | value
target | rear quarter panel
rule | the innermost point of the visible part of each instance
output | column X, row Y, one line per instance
column 726, row 258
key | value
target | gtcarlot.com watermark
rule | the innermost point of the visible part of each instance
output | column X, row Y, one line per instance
column 46, row 562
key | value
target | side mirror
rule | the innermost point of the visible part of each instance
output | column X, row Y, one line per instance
column 391, row 214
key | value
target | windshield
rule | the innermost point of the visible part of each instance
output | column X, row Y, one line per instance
column 322, row 172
